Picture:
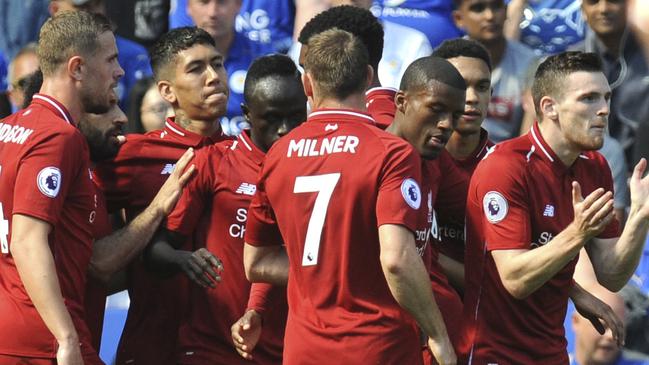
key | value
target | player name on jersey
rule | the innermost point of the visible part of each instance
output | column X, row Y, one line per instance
column 14, row 133
column 315, row 147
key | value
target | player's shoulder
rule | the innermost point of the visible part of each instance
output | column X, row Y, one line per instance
column 511, row 154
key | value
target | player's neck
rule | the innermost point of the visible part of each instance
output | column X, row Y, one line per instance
column 553, row 136
column 461, row 146
column 200, row 127
column 63, row 92
column 354, row 101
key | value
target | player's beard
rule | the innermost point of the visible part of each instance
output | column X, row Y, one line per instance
column 100, row 143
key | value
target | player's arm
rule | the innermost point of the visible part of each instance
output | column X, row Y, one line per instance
column 615, row 260
column 268, row 264
column 523, row 271
column 597, row 312
column 246, row 331
column 110, row 254
column 35, row 264
column 408, row 281
column 454, row 271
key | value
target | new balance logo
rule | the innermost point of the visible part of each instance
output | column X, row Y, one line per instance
column 549, row 211
column 168, row 169
column 247, row 189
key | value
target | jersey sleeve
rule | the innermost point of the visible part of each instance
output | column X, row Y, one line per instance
column 45, row 175
column 505, row 213
column 262, row 228
column 400, row 197
column 189, row 209
column 260, row 297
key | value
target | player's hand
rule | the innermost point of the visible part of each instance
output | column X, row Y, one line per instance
column 246, row 332
column 170, row 192
column 69, row 353
column 202, row 267
column 593, row 213
column 640, row 190
column 442, row 351
column 600, row 315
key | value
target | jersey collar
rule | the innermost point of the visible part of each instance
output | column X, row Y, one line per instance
column 542, row 149
column 250, row 149
column 54, row 106
column 190, row 138
column 342, row 115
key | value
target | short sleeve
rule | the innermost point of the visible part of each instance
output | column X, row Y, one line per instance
column 45, row 175
column 503, row 198
column 262, row 228
column 189, row 209
column 400, row 197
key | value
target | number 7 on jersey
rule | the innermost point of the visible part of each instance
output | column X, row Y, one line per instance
column 324, row 185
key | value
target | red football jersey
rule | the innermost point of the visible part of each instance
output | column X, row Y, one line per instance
column 451, row 198
column 379, row 102
column 213, row 211
column 131, row 181
column 520, row 197
column 45, row 174
column 327, row 186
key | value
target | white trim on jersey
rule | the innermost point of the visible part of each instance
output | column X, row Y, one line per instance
column 168, row 125
column 536, row 139
column 52, row 103
column 334, row 112
column 243, row 140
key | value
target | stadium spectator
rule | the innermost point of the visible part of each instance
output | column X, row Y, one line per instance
column 358, row 267
column 190, row 76
column 483, row 21
column 626, row 68
column 522, row 238
column 148, row 109
column 24, row 64
column 20, row 22
column 593, row 348
column 132, row 57
column 219, row 196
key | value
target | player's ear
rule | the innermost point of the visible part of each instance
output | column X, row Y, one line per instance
column 549, row 108
column 307, row 83
column 370, row 76
column 457, row 19
column 400, row 101
column 167, row 91
column 75, row 67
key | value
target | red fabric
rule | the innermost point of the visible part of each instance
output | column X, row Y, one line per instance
column 451, row 198
column 339, row 300
column 380, row 105
column 213, row 210
column 45, row 175
column 131, row 181
column 536, row 186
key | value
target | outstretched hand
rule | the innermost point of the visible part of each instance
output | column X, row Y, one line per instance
column 639, row 187
column 601, row 315
column 246, row 332
column 593, row 213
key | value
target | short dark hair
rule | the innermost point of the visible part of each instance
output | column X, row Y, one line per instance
column 67, row 34
column 276, row 65
column 426, row 69
column 165, row 50
column 337, row 62
column 549, row 76
column 462, row 47
column 33, row 83
column 357, row 21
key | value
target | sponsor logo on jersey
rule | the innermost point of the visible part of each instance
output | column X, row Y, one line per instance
column 544, row 238
column 495, row 206
column 14, row 133
column 549, row 211
column 246, row 189
column 411, row 193
column 168, row 169
column 49, row 181
column 314, row 147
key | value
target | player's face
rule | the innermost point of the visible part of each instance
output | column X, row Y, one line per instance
column 278, row 106
column 200, row 88
column 477, row 76
column 214, row 16
column 430, row 113
column 583, row 109
column 102, row 131
column 101, row 73
column 605, row 17
column 483, row 20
